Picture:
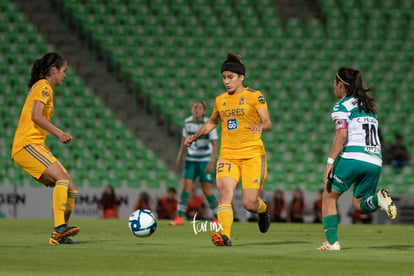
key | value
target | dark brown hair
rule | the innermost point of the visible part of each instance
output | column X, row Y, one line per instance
column 354, row 86
column 42, row 66
column 233, row 64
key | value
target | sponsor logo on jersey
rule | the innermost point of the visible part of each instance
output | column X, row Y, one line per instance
column 232, row 124
column 232, row 112
column 340, row 124
column 45, row 93
column 374, row 150
column 338, row 179
column 261, row 100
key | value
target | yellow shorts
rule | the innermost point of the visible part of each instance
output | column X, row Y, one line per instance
column 252, row 172
column 35, row 159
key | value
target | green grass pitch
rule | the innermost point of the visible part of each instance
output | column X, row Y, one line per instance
column 108, row 248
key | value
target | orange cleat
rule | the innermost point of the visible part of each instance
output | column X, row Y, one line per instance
column 178, row 221
column 220, row 240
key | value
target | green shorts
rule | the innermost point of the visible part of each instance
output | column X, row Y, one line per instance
column 193, row 169
column 363, row 175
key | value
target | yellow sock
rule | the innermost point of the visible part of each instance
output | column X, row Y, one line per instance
column 60, row 198
column 262, row 206
column 225, row 217
column 71, row 202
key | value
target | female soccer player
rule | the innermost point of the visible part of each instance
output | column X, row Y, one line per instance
column 199, row 161
column 358, row 147
column 244, row 115
column 29, row 150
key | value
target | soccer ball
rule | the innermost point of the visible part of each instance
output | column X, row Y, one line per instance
column 142, row 223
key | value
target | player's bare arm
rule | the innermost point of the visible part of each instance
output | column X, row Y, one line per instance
column 38, row 118
column 211, row 164
column 206, row 128
column 179, row 160
column 337, row 145
column 266, row 123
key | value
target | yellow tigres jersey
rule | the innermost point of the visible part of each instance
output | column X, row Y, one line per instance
column 236, row 112
column 28, row 132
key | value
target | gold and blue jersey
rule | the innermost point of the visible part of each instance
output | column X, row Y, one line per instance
column 238, row 111
column 28, row 132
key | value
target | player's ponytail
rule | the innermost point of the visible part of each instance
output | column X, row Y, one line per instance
column 42, row 66
column 352, row 80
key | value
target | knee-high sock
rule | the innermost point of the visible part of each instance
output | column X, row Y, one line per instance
column 369, row 204
column 70, row 203
column 225, row 217
column 182, row 205
column 60, row 198
column 212, row 202
column 330, row 226
column 262, row 206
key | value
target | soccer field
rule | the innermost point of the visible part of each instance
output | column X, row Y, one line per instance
column 108, row 248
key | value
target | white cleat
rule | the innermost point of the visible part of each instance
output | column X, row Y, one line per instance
column 386, row 203
column 327, row 246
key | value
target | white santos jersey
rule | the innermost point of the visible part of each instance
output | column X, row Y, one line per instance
column 363, row 141
column 202, row 148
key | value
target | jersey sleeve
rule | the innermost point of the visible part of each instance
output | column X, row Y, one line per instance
column 215, row 109
column 41, row 93
column 339, row 112
column 259, row 100
column 213, row 135
column 184, row 133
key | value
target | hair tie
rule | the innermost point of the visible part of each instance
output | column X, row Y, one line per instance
column 337, row 75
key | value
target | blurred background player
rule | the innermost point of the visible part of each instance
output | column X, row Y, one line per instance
column 397, row 154
column 143, row 201
column 277, row 206
column 167, row 205
column 109, row 203
column 358, row 218
column 296, row 208
column 200, row 159
column 244, row 115
column 196, row 207
column 29, row 151
column 358, row 149
column 317, row 208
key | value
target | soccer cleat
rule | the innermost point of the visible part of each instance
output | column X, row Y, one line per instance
column 327, row 246
column 178, row 221
column 53, row 241
column 220, row 240
column 64, row 230
column 264, row 220
column 386, row 203
column 64, row 240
